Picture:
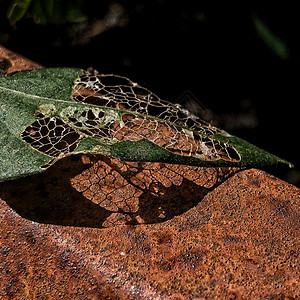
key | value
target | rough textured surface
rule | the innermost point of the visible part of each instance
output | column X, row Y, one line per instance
column 222, row 238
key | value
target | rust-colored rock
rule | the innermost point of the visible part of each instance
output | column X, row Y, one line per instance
column 212, row 236
column 17, row 62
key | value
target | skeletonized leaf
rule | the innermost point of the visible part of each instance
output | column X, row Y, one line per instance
column 48, row 114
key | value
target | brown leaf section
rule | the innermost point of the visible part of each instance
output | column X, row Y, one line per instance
column 147, row 116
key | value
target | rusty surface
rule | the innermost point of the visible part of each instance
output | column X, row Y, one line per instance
column 16, row 61
column 213, row 233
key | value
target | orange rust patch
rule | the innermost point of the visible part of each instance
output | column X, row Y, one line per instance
column 32, row 132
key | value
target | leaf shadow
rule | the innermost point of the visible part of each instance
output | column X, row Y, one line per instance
column 50, row 197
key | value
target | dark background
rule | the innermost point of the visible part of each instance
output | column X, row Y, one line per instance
column 236, row 65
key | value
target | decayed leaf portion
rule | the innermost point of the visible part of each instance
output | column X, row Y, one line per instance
column 144, row 115
column 48, row 114
column 51, row 136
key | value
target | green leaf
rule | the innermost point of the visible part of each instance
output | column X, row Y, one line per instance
column 48, row 114
column 277, row 45
column 44, row 12
column 18, row 9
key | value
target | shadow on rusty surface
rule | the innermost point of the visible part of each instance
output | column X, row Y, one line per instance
column 101, row 192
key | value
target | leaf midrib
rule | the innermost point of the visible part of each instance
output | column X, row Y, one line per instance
column 103, row 107
column 31, row 96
